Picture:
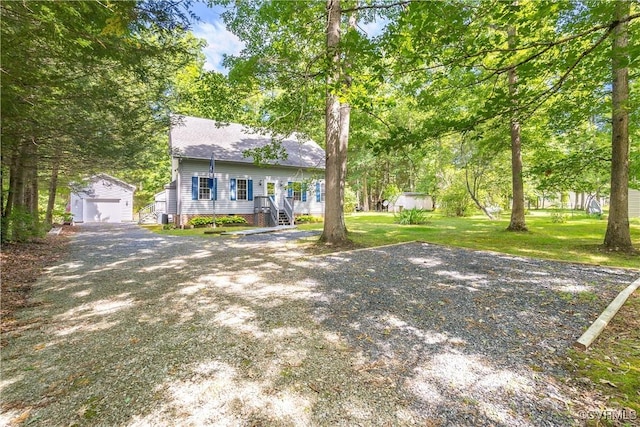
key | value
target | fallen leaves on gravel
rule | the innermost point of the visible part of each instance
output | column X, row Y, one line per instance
column 21, row 265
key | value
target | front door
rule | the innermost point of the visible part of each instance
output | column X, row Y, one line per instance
column 271, row 190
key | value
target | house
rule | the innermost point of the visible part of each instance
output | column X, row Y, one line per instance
column 211, row 174
column 102, row 198
column 411, row 200
column 634, row 203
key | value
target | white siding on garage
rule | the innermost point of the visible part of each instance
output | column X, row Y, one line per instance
column 103, row 199
column 106, row 189
column 102, row 210
column 634, row 203
column 225, row 172
column 77, row 207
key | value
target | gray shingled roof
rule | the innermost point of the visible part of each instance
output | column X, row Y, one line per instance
column 196, row 138
column 117, row 181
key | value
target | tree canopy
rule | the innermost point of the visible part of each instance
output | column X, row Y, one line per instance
column 85, row 89
column 478, row 103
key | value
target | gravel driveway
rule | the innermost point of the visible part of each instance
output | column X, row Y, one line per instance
column 144, row 330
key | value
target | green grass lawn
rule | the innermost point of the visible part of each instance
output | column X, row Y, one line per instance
column 579, row 239
column 194, row 231
column 612, row 364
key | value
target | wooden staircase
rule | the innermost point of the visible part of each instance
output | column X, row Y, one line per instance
column 264, row 205
column 148, row 214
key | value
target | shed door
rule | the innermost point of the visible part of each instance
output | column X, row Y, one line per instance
column 103, row 210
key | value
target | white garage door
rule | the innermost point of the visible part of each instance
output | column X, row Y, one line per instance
column 103, row 210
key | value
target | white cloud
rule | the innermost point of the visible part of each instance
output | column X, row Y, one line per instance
column 220, row 41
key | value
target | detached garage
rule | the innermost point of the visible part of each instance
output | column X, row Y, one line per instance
column 102, row 198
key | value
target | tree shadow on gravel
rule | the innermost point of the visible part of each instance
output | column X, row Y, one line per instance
column 137, row 329
column 474, row 338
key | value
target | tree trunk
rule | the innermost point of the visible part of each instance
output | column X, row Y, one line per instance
column 473, row 192
column 31, row 199
column 30, row 202
column 53, row 188
column 617, row 236
column 365, row 194
column 335, row 231
column 13, row 168
column 345, row 120
column 16, row 184
column 15, row 225
column 517, row 209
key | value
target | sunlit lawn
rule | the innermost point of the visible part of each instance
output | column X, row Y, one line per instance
column 201, row 231
column 577, row 240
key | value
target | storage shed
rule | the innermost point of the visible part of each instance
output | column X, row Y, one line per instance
column 411, row 200
column 102, row 198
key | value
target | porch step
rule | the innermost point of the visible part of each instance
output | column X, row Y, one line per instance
column 282, row 219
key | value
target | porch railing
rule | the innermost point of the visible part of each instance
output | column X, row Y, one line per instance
column 147, row 214
column 264, row 204
column 288, row 208
column 275, row 212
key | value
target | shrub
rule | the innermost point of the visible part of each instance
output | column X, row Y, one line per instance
column 21, row 226
column 62, row 217
column 169, row 227
column 201, row 221
column 350, row 200
column 232, row 219
column 301, row 219
column 558, row 217
column 455, row 201
column 412, row 216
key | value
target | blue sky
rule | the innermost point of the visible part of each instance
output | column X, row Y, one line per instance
column 221, row 42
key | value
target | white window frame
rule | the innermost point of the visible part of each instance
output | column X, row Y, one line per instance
column 296, row 187
column 245, row 189
column 203, row 188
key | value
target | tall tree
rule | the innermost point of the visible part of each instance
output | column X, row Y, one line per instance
column 336, row 132
column 307, row 58
column 84, row 85
column 559, row 57
column 617, row 236
column 517, row 222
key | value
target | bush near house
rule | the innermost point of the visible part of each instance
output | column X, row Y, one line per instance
column 204, row 221
column 200, row 221
column 232, row 219
column 307, row 219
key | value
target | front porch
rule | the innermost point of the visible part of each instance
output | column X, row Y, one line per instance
column 266, row 213
column 269, row 214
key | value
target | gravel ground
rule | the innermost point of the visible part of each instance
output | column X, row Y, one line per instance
column 139, row 329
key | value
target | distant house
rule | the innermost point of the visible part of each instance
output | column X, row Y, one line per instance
column 269, row 194
column 634, row 203
column 411, row 200
column 102, row 198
